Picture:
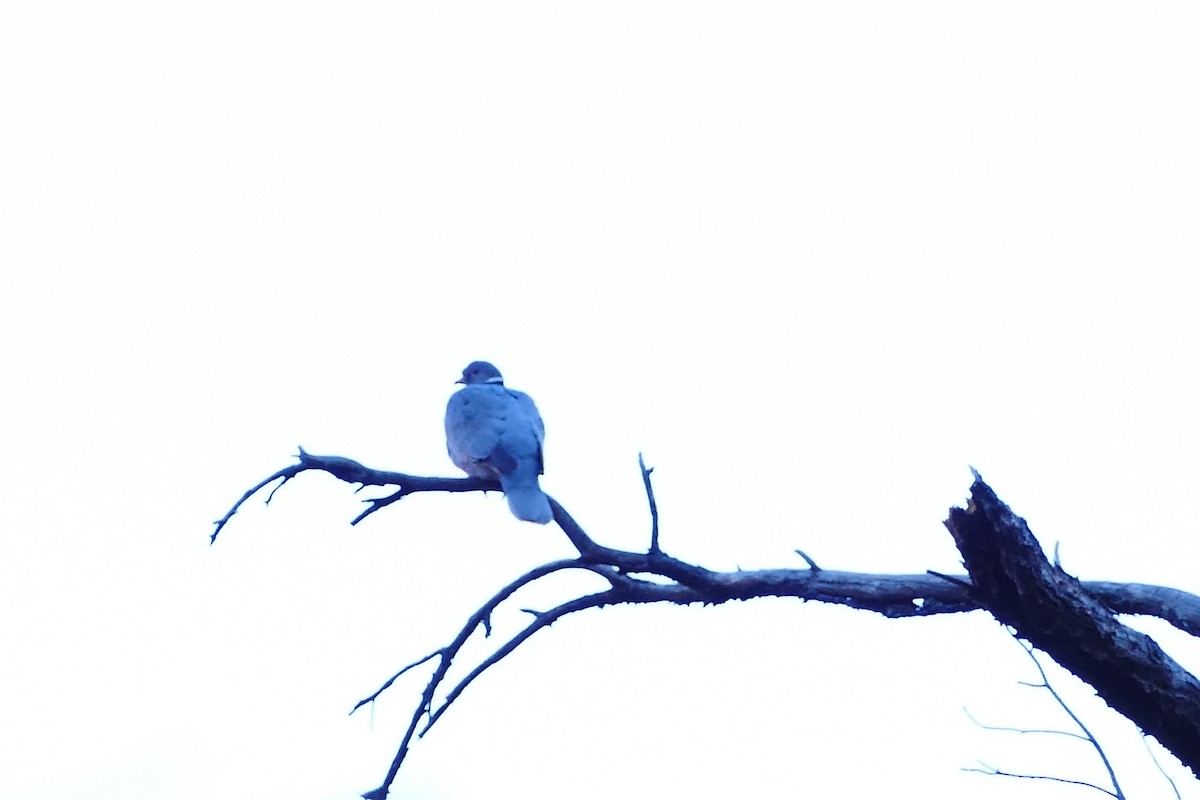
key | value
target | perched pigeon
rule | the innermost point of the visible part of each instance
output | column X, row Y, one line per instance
column 495, row 432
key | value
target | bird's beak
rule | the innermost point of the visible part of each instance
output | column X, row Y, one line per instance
column 461, row 380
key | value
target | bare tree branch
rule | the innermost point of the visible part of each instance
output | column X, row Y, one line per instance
column 1007, row 575
column 892, row 595
column 345, row 469
column 447, row 654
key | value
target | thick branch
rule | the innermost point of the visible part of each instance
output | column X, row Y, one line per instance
column 918, row 595
column 1075, row 625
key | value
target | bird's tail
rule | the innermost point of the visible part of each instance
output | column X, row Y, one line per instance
column 528, row 503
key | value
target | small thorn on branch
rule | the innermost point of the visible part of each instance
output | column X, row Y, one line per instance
column 811, row 564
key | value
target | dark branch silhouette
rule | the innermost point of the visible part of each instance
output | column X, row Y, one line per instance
column 989, row 770
column 344, row 469
column 1007, row 575
column 1074, row 624
column 653, row 505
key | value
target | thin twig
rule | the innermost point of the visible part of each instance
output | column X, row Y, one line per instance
column 986, row 770
column 387, row 684
column 1161, row 771
column 283, row 476
column 653, row 506
column 1022, row 730
column 1086, row 735
column 1112, row 775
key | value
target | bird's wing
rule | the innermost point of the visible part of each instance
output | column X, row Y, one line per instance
column 493, row 432
column 475, row 420
column 531, row 420
column 521, row 443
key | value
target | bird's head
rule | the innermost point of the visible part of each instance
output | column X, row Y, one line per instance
column 480, row 372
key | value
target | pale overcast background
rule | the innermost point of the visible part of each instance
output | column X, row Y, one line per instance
column 814, row 259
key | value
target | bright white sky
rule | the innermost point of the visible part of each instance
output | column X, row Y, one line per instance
column 814, row 259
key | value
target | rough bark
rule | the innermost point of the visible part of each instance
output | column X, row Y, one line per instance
column 1075, row 624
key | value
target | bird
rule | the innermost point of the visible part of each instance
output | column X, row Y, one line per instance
column 496, row 433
